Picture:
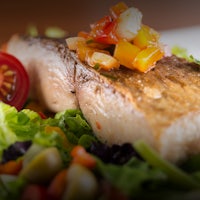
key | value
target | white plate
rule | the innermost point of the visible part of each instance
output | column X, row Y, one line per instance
column 188, row 38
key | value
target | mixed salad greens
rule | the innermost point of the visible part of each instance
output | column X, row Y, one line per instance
column 60, row 158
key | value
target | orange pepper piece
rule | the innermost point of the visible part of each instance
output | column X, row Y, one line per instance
column 146, row 59
column 80, row 156
column 117, row 9
column 12, row 167
column 57, row 185
column 65, row 142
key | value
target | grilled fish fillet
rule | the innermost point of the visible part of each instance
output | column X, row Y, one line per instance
column 162, row 107
column 50, row 80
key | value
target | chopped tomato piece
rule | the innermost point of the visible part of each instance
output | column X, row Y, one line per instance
column 14, row 81
column 83, row 34
column 104, row 31
column 146, row 59
column 80, row 156
column 125, row 53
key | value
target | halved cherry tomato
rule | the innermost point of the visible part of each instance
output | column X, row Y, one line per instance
column 14, row 81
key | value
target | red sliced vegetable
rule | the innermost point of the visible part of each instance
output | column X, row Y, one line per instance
column 14, row 81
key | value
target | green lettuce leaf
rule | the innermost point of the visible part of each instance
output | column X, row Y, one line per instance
column 132, row 178
column 27, row 125
column 16, row 126
column 183, row 53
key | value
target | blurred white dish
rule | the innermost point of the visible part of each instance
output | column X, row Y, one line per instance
column 188, row 38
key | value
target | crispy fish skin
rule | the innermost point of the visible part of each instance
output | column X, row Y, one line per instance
column 161, row 107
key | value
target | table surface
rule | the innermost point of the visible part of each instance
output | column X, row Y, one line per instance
column 76, row 15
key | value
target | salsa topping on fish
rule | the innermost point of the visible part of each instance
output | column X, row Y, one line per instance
column 134, row 45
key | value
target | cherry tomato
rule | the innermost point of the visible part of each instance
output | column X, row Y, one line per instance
column 14, row 81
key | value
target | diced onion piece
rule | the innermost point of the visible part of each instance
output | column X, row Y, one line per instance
column 146, row 36
column 129, row 22
column 125, row 53
column 117, row 9
column 73, row 42
column 104, row 60
column 147, row 58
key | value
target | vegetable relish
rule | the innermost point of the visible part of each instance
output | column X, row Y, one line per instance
column 136, row 46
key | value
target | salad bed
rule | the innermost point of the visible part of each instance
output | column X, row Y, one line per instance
column 60, row 158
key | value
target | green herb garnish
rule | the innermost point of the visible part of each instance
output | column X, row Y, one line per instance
column 175, row 174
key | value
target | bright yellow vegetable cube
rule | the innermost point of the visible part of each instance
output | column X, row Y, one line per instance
column 125, row 53
column 147, row 58
column 146, row 36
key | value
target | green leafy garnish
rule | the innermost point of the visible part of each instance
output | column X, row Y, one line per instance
column 28, row 125
column 133, row 177
column 32, row 30
column 16, row 126
column 175, row 174
column 51, row 31
column 183, row 53
column 55, row 32
column 11, row 187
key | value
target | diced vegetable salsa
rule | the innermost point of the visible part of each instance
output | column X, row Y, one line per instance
column 136, row 46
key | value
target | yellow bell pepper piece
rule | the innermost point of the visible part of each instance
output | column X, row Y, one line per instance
column 147, row 58
column 125, row 53
column 146, row 36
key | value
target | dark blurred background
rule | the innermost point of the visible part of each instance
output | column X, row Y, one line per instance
column 76, row 15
